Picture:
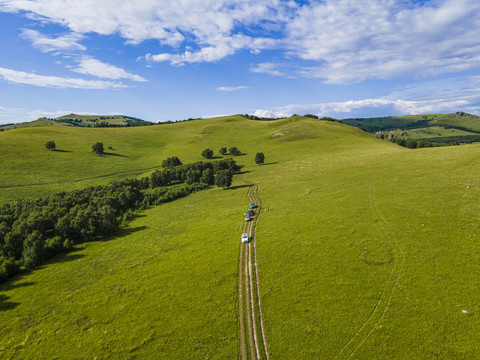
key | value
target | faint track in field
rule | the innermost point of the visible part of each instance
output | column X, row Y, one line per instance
column 383, row 303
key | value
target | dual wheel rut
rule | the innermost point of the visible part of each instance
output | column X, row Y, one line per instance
column 251, row 330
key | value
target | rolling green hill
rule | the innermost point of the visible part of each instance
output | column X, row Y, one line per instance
column 417, row 125
column 369, row 250
column 82, row 121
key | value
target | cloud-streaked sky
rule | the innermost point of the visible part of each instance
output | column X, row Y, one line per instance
column 170, row 60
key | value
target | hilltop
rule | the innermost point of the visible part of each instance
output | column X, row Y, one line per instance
column 460, row 126
column 82, row 121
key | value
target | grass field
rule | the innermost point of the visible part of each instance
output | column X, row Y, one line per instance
column 416, row 124
column 369, row 250
column 430, row 132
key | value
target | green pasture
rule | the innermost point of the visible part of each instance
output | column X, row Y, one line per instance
column 164, row 288
column 461, row 121
column 430, row 132
column 368, row 251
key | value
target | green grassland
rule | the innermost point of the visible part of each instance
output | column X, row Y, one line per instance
column 459, row 121
column 430, row 132
column 368, row 251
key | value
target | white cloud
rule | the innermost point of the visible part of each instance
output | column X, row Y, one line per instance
column 21, row 77
column 207, row 23
column 215, row 49
column 90, row 66
column 231, row 88
column 267, row 68
column 353, row 41
column 67, row 42
column 466, row 100
column 342, row 41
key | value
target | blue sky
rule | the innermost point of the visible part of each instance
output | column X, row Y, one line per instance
column 170, row 60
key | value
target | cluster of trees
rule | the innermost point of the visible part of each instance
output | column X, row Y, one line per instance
column 417, row 144
column 454, row 140
column 34, row 230
column 254, row 117
column 208, row 153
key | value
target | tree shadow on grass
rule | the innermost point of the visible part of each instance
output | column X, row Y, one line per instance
column 270, row 163
column 64, row 151
column 11, row 284
column 243, row 172
column 14, row 282
column 7, row 305
column 123, row 233
column 113, row 154
column 240, row 187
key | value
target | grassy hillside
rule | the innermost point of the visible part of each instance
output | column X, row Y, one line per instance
column 369, row 250
column 81, row 121
column 459, row 121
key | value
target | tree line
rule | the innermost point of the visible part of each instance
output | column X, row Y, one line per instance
column 33, row 230
column 417, row 144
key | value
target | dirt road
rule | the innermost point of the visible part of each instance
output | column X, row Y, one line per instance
column 251, row 329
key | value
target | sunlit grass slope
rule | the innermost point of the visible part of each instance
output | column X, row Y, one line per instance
column 430, row 132
column 369, row 250
column 460, row 120
column 372, row 255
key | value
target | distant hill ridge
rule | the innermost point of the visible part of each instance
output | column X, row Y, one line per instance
column 83, row 121
column 459, row 120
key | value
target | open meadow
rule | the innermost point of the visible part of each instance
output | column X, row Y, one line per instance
column 368, row 250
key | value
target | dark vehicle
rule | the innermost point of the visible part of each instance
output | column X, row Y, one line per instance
column 249, row 215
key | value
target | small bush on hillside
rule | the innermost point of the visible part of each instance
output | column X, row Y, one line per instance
column 259, row 158
column 234, row 151
column 97, row 148
column 50, row 145
column 171, row 162
column 207, row 153
column 223, row 151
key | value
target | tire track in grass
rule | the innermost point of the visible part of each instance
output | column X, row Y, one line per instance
column 257, row 200
column 241, row 319
column 249, row 308
column 247, row 345
column 383, row 303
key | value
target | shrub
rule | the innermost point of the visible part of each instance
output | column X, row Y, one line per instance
column 50, row 145
column 207, row 153
column 234, row 151
column 259, row 158
column 97, row 148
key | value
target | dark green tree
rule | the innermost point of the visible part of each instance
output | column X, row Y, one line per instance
column 207, row 177
column 223, row 151
column 207, row 153
column 223, row 178
column 171, row 162
column 259, row 158
column 234, row 151
column 50, row 145
column 97, row 148
column 33, row 249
